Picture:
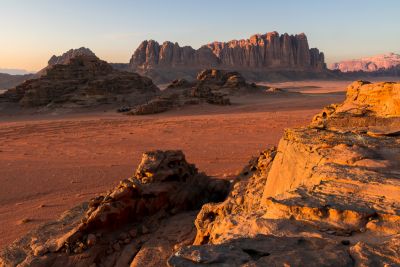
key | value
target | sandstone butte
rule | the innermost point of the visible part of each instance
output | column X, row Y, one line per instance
column 253, row 56
column 327, row 195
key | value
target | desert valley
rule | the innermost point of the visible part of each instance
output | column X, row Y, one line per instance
column 249, row 152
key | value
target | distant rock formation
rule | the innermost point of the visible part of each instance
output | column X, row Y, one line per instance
column 66, row 58
column 212, row 86
column 261, row 52
column 8, row 81
column 70, row 54
column 81, row 81
column 368, row 64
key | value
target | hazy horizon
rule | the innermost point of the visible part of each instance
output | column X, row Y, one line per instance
column 34, row 31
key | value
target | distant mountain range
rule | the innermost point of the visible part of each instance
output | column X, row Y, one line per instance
column 15, row 71
column 368, row 64
column 9, row 81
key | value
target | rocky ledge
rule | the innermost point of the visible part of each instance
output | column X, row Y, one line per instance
column 328, row 195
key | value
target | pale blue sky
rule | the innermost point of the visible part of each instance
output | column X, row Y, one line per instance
column 31, row 31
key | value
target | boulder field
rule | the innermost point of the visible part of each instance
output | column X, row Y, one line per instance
column 327, row 195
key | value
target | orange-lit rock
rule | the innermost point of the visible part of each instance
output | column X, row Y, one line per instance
column 336, row 183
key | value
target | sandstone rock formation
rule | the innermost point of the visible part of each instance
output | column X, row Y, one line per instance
column 368, row 64
column 212, row 86
column 138, row 223
column 259, row 53
column 327, row 195
column 331, row 188
column 8, row 81
column 83, row 81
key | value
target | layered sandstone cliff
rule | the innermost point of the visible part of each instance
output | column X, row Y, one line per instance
column 260, row 52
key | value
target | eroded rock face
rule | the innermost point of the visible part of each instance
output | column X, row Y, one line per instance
column 369, row 107
column 336, row 185
column 129, row 224
column 270, row 51
column 83, row 81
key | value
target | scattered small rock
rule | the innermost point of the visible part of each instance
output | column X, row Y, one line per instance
column 25, row 220
column 91, row 240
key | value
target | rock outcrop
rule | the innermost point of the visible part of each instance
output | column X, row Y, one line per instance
column 82, row 81
column 138, row 223
column 212, row 86
column 368, row 64
column 259, row 53
column 332, row 187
